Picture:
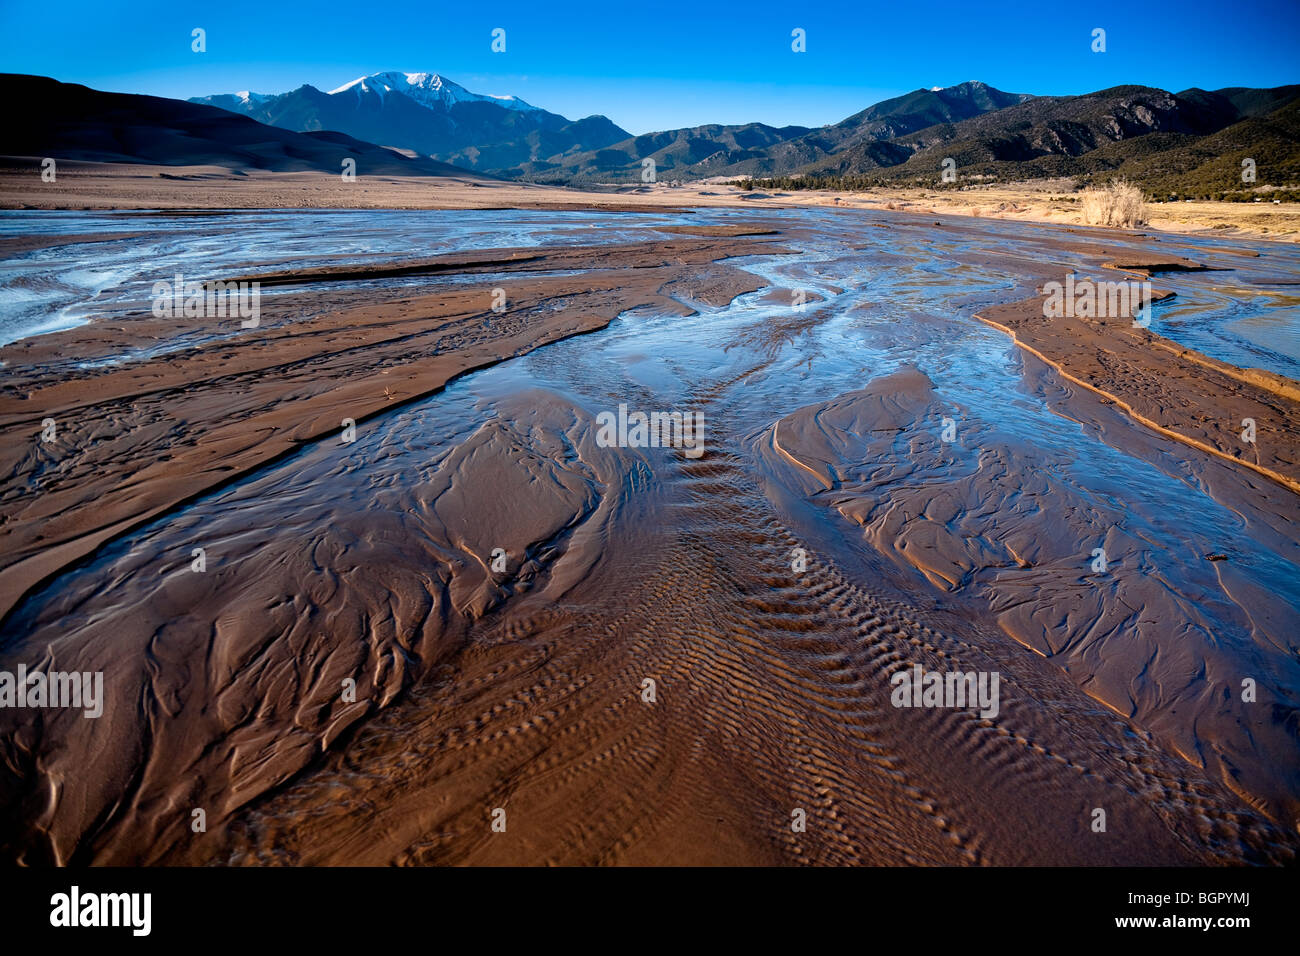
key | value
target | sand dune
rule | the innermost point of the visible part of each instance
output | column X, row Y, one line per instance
column 69, row 122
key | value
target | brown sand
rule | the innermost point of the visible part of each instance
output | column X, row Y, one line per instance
column 1174, row 390
column 244, row 401
column 771, row 686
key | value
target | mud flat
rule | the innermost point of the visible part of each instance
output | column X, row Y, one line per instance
column 498, row 585
column 190, row 422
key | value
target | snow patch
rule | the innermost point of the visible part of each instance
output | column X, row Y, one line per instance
column 427, row 89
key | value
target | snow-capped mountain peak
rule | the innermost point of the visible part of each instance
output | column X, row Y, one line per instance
column 427, row 89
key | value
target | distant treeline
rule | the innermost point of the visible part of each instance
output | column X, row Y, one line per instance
column 791, row 183
column 1153, row 192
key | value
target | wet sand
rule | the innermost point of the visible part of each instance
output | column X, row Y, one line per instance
column 522, row 689
column 1171, row 389
column 247, row 400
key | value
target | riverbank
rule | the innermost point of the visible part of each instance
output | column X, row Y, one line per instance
column 105, row 186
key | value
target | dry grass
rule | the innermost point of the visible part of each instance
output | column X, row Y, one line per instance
column 1118, row 203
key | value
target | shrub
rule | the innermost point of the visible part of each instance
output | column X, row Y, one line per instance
column 1118, row 203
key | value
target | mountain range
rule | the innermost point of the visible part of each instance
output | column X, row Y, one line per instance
column 67, row 121
column 1190, row 143
column 502, row 135
column 431, row 115
column 755, row 149
column 1157, row 138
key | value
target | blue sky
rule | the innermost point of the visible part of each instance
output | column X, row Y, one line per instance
column 656, row 65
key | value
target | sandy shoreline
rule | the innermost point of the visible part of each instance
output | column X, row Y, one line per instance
column 464, row 667
column 124, row 187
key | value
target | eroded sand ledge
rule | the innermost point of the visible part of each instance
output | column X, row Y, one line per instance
column 1177, row 391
